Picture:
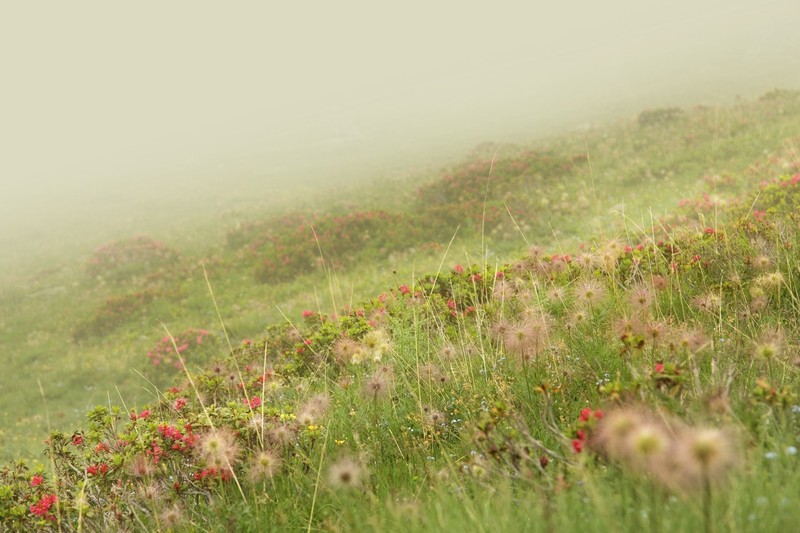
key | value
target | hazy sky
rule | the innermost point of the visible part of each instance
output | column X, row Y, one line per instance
column 99, row 96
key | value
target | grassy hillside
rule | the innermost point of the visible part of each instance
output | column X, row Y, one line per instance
column 636, row 365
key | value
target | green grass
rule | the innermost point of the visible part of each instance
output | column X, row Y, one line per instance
column 458, row 438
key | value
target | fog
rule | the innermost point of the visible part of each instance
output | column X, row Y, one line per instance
column 112, row 116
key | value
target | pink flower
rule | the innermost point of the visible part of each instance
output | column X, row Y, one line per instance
column 37, row 480
column 180, row 403
column 458, row 269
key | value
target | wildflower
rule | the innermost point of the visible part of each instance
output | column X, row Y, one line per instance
column 253, row 403
column 769, row 345
column 432, row 374
column 704, row 454
column 659, row 283
column 281, row 436
column 434, row 417
column 151, row 491
column 759, row 303
column 646, row 445
column 313, row 409
column 42, row 507
column 264, row 466
column 141, row 466
column 612, row 431
column 378, row 385
column 97, row 469
column 692, row 340
column 218, row 448
column 458, row 269
column 37, row 480
column 345, row 473
column 376, row 344
column 586, row 261
column 180, row 403
column 578, row 317
column 77, row 439
column 641, row 297
column 709, row 302
column 502, row 290
column 172, row 517
column 656, row 331
column 557, row 294
column 626, row 327
column 762, row 262
column 448, row 352
column 346, row 350
column 770, row 282
column 590, row 292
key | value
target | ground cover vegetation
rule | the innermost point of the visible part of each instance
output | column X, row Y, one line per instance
column 589, row 363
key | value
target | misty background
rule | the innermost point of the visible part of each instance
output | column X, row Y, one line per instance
column 122, row 119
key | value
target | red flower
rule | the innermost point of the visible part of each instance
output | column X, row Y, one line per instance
column 659, row 368
column 254, row 403
column 77, row 440
column 180, row 403
column 404, row 289
column 577, row 445
column 37, row 480
column 308, row 314
column 102, row 447
column 42, row 507
column 458, row 269
column 586, row 413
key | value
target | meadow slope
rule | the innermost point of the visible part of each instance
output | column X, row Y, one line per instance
column 594, row 330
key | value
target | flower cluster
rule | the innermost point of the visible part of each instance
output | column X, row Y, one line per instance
column 191, row 342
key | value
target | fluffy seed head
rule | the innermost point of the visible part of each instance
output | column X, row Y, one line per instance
column 264, row 466
column 641, row 297
column 590, row 292
column 770, row 344
column 708, row 303
column 346, row 474
column 219, row 448
column 345, row 350
column 762, row 262
column 704, row 453
column 281, row 436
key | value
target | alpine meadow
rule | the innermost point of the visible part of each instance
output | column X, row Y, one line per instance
column 589, row 327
